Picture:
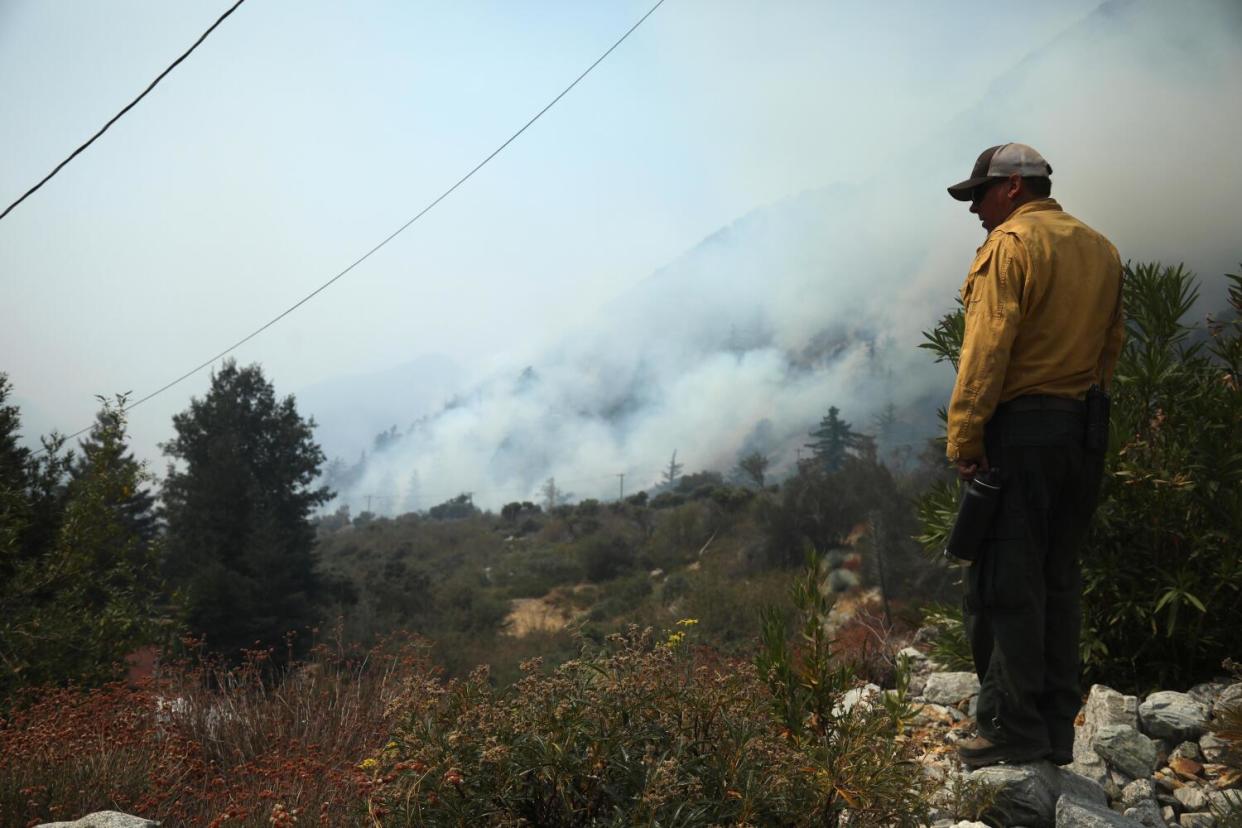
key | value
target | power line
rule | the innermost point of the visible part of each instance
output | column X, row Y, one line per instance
column 118, row 115
column 392, row 235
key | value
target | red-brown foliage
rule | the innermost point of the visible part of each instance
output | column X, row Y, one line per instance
column 200, row 744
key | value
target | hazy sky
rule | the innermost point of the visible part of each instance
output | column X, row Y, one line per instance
column 301, row 133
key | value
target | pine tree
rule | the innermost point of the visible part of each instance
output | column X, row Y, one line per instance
column 238, row 503
column 834, row 439
column 673, row 471
column 136, row 508
column 71, row 609
column 14, row 500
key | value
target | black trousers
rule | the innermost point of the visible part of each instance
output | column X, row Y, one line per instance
column 1023, row 607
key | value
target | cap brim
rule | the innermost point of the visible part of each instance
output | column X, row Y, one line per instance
column 965, row 190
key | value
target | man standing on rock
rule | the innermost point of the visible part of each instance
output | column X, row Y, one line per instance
column 1043, row 324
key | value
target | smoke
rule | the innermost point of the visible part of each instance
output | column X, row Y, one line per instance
column 744, row 342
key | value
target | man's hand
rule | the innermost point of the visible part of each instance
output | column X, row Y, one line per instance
column 967, row 469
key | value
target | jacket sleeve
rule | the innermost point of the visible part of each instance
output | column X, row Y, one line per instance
column 991, row 297
column 1114, row 339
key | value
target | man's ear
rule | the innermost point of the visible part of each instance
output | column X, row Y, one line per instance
column 1013, row 187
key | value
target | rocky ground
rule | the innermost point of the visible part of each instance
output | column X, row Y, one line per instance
column 1150, row 762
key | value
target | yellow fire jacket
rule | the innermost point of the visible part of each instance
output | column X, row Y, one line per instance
column 1043, row 316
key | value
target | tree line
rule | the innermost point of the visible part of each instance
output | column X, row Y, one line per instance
column 91, row 568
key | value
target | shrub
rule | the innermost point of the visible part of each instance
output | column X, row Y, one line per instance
column 641, row 731
column 949, row 646
column 604, row 558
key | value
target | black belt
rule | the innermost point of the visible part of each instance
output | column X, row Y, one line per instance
column 1042, row 402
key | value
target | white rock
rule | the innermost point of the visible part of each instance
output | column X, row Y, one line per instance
column 1213, row 747
column 1138, row 791
column 1105, row 706
column 1230, row 695
column 1172, row 715
column 950, row 688
column 104, row 819
column 866, row 695
column 1191, row 797
column 965, row 824
column 915, row 655
column 1227, row 800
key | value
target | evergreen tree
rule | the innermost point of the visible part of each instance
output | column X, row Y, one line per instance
column 136, row 509
column 14, row 458
column 72, row 609
column 673, row 471
column 238, row 503
column 835, row 439
column 32, row 489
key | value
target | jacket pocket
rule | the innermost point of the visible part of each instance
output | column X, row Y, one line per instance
column 978, row 269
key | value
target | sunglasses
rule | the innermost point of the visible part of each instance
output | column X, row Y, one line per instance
column 977, row 194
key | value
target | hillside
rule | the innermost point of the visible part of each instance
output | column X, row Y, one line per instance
column 497, row 588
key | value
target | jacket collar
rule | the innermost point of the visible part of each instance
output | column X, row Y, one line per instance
column 1039, row 205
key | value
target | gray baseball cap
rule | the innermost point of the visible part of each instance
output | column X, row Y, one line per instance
column 1002, row 161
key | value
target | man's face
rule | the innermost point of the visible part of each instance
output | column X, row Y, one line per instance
column 992, row 203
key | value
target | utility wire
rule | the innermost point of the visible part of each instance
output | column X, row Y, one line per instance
column 392, row 235
column 118, row 115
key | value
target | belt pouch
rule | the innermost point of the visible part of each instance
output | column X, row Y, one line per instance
column 1098, row 405
column 975, row 516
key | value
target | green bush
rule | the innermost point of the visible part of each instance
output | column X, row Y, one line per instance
column 1162, row 565
column 604, row 558
column 641, row 731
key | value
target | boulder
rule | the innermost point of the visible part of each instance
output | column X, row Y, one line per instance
column 1196, row 821
column 1125, row 749
column 1146, row 813
column 1192, row 798
column 1231, row 695
column 1138, row 791
column 1213, row 747
column 1104, row 706
column 1230, row 799
column 1208, row 692
column 104, row 819
column 1080, row 787
column 1025, row 794
column 1172, row 715
column 1187, row 750
column 950, row 688
column 1074, row 813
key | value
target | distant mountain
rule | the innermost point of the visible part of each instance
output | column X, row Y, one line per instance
column 818, row 299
